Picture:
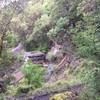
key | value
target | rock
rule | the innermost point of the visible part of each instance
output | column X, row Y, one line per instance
column 50, row 68
column 35, row 56
column 17, row 49
column 17, row 76
column 55, row 52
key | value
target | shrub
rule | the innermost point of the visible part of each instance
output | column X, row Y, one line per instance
column 6, row 59
column 90, row 76
column 12, row 90
column 1, row 96
column 34, row 74
column 94, row 81
column 87, row 95
column 11, row 39
column 86, row 42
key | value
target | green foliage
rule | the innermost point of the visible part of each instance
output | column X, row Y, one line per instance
column 87, row 40
column 43, row 47
column 94, row 80
column 60, row 9
column 88, row 95
column 34, row 74
column 41, row 23
column 21, row 87
column 1, row 96
column 11, row 39
column 56, row 19
column 38, row 39
column 33, row 8
column 58, row 29
column 35, row 45
column 12, row 90
column 89, row 75
column 6, row 60
column 47, row 6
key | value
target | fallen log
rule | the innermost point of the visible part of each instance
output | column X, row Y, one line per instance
column 47, row 91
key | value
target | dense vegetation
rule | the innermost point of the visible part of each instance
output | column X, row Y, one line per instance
column 34, row 24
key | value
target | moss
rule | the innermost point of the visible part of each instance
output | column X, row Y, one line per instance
column 60, row 96
column 63, row 96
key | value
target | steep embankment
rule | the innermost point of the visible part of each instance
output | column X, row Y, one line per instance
column 69, row 61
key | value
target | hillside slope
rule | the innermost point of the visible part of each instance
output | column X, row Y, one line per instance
column 66, row 35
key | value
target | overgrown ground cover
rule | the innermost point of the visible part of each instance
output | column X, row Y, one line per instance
column 74, row 24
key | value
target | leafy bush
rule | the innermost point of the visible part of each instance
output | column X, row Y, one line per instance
column 88, row 95
column 6, row 59
column 89, row 75
column 34, row 74
column 37, row 45
column 11, row 39
column 12, row 90
column 58, row 32
column 94, row 80
column 1, row 96
column 43, row 47
column 41, row 23
column 86, row 42
column 33, row 8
